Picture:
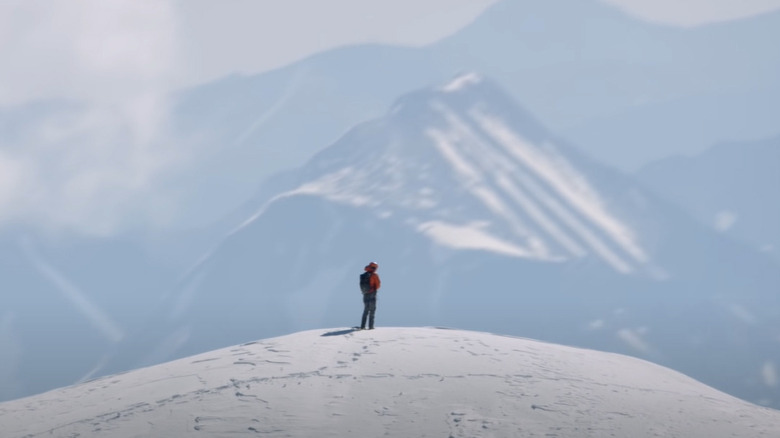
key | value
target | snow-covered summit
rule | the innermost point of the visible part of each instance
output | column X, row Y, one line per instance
column 395, row 382
column 462, row 81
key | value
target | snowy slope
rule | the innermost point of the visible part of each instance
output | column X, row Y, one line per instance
column 400, row 382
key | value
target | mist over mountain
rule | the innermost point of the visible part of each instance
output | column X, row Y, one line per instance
column 626, row 91
column 273, row 190
column 480, row 218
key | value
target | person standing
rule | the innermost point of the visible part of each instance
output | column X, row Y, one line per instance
column 369, row 285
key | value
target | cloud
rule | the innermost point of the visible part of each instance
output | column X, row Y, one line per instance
column 87, row 158
column 85, row 49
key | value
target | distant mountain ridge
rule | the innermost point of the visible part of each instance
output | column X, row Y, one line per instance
column 626, row 91
column 731, row 188
column 601, row 79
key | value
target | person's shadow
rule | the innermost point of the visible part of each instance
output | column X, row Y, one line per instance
column 341, row 332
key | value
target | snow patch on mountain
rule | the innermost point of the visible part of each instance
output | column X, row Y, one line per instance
column 769, row 373
column 724, row 220
column 634, row 339
column 554, row 169
column 472, row 236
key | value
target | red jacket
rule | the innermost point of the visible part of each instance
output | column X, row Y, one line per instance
column 373, row 282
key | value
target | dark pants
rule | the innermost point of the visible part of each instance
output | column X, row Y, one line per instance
column 369, row 308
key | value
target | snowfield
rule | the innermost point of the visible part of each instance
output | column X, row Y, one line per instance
column 397, row 382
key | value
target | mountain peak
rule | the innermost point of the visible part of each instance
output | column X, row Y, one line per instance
column 462, row 81
column 464, row 165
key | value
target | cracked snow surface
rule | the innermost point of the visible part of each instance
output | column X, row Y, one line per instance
column 410, row 382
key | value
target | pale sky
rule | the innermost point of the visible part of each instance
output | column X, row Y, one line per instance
column 53, row 48
column 121, row 58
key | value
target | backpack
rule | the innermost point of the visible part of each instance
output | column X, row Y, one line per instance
column 365, row 282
